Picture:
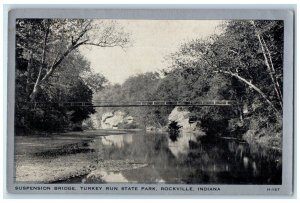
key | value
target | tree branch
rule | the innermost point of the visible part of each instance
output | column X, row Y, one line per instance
column 57, row 63
column 73, row 46
column 254, row 87
column 80, row 43
column 101, row 44
column 75, row 43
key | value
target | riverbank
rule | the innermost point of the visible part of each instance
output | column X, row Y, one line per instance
column 55, row 158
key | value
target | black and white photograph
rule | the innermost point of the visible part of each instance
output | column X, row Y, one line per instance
column 141, row 101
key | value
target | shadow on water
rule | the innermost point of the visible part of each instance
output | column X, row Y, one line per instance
column 232, row 161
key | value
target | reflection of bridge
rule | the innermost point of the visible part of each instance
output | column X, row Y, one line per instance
column 105, row 103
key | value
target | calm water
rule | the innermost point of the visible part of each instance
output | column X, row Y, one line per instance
column 188, row 159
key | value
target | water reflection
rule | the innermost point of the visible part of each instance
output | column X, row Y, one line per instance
column 101, row 175
column 181, row 145
column 193, row 158
column 117, row 140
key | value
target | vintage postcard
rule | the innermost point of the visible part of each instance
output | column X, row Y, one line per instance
column 150, row 102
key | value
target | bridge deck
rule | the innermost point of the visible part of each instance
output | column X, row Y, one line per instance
column 135, row 103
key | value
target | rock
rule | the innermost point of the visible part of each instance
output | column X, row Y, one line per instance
column 112, row 120
column 182, row 119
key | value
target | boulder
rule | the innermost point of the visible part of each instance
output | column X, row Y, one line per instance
column 111, row 120
column 182, row 118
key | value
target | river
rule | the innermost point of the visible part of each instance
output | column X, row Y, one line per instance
column 140, row 157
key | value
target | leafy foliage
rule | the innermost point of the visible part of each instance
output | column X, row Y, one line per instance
column 244, row 64
column 49, row 68
column 173, row 129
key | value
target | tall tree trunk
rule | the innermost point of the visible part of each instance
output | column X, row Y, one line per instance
column 269, row 64
column 273, row 69
column 75, row 44
column 29, row 72
column 38, row 80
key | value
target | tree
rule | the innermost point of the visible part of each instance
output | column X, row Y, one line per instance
column 174, row 130
column 269, row 62
column 250, row 54
column 78, row 91
column 243, row 63
column 95, row 81
column 248, row 57
column 49, row 42
column 49, row 66
column 65, row 85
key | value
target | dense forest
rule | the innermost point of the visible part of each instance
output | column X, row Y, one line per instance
column 243, row 63
column 50, row 68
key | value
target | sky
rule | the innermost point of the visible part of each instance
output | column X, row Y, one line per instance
column 151, row 42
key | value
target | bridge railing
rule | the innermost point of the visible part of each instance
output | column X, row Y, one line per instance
column 109, row 103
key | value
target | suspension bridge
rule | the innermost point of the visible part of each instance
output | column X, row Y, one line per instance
column 106, row 103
